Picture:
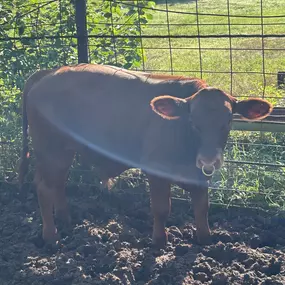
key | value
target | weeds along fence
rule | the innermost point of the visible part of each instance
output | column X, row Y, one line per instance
column 235, row 45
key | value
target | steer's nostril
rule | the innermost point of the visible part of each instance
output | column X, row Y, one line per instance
column 200, row 163
column 207, row 163
column 203, row 162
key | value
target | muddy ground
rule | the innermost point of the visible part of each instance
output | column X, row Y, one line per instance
column 110, row 244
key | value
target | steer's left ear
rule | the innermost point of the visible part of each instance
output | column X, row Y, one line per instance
column 168, row 107
column 253, row 109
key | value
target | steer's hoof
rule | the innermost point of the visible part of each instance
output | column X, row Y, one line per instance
column 48, row 246
column 63, row 220
column 65, row 230
column 204, row 239
column 52, row 247
column 50, row 236
column 51, row 243
column 159, row 242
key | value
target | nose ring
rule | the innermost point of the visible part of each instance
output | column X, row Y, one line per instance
column 207, row 173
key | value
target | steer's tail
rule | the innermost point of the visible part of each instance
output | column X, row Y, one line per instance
column 23, row 165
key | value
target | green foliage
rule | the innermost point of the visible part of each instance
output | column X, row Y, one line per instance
column 255, row 177
column 30, row 33
column 27, row 20
column 113, row 19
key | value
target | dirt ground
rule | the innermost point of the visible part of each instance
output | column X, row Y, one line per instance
column 110, row 244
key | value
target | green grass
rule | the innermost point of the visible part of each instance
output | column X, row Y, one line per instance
column 182, row 55
column 257, row 185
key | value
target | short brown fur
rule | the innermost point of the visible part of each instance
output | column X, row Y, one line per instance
column 109, row 102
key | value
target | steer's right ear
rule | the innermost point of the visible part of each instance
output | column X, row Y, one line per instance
column 168, row 107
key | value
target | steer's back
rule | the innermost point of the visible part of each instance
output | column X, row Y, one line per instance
column 104, row 107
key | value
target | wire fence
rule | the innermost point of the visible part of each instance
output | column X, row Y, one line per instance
column 238, row 47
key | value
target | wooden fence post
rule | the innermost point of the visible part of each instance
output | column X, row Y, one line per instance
column 81, row 28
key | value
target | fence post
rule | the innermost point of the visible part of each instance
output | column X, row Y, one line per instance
column 81, row 29
column 280, row 79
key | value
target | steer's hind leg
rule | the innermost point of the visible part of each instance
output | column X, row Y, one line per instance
column 50, row 180
column 160, row 206
column 45, row 195
column 60, row 178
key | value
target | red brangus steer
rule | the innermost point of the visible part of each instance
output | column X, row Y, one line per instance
column 172, row 127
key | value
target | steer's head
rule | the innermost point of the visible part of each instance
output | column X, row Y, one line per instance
column 210, row 113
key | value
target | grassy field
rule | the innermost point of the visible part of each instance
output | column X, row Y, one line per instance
column 257, row 184
column 182, row 55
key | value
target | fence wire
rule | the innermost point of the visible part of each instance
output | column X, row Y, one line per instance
column 236, row 47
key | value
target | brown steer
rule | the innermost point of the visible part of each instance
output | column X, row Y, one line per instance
column 175, row 125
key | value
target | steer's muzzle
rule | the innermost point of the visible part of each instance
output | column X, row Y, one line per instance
column 209, row 164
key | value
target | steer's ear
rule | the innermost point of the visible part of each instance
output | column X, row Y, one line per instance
column 253, row 109
column 168, row 107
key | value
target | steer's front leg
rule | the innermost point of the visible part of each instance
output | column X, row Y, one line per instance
column 160, row 206
column 200, row 202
